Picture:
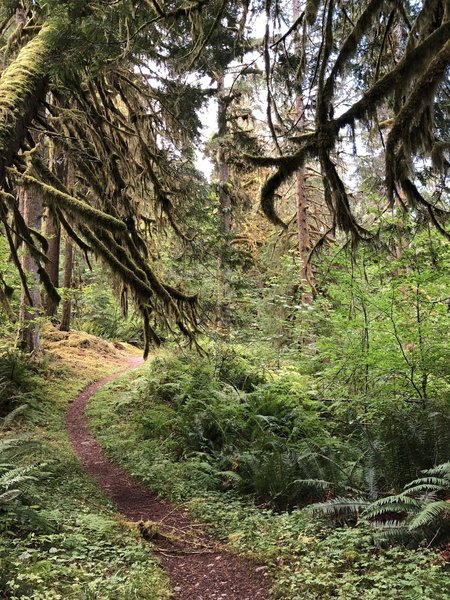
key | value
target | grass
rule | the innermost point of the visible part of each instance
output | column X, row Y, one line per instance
column 308, row 558
column 66, row 541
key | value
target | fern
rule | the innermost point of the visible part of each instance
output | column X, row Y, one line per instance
column 340, row 507
column 430, row 514
column 316, row 484
column 440, row 482
column 424, row 516
column 398, row 503
column 420, row 512
column 440, row 470
column 16, row 476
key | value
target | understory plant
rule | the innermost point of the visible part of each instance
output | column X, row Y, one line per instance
column 15, row 383
column 262, row 436
column 420, row 514
column 59, row 537
column 309, row 558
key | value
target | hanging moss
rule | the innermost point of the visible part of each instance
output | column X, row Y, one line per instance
column 408, row 68
column 48, row 285
column 78, row 208
column 22, row 87
column 311, row 11
column 416, row 106
column 350, row 45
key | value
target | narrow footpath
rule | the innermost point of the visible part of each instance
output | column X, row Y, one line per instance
column 197, row 567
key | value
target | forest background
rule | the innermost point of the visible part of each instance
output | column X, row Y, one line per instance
column 300, row 295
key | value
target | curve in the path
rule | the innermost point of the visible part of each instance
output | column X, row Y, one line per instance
column 197, row 568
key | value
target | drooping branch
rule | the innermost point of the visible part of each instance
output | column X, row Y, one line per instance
column 410, row 115
column 350, row 45
column 400, row 75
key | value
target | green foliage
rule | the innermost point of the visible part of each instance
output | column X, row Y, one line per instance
column 18, row 495
column 379, row 359
column 421, row 513
column 307, row 558
column 270, row 443
column 236, row 366
column 343, row 564
column 97, row 312
column 58, row 537
column 16, row 383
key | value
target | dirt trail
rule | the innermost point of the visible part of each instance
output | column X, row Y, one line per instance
column 197, row 568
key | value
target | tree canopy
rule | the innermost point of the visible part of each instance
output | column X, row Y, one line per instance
column 115, row 85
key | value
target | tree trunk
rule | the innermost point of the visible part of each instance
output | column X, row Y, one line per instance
column 53, row 230
column 223, row 170
column 29, row 339
column 53, row 235
column 68, row 260
column 223, row 176
column 68, row 269
column 303, row 224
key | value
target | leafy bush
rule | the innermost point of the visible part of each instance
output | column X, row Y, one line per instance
column 236, row 367
column 97, row 312
column 270, row 443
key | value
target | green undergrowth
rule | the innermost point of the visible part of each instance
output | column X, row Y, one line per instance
column 59, row 537
column 171, row 425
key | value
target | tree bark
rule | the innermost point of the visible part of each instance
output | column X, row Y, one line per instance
column 68, row 262
column 53, row 231
column 29, row 338
column 68, row 270
column 225, row 205
column 223, row 170
column 53, row 235
column 303, row 224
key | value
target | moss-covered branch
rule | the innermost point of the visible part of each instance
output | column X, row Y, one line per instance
column 409, row 67
column 22, row 88
column 77, row 207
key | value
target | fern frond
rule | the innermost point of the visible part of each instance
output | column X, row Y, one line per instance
column 399, row 500
column 394, row 533
column 10, row 495
column 429, row 514
column 16, row 476
column 439, row 482
column 318, row 484
column 391, row 524
column 340, row 506
column 14, row 413
column 440, row 470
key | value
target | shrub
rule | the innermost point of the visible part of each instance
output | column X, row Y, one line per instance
column 15, row 381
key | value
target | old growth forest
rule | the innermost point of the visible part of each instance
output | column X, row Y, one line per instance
column 224, row 299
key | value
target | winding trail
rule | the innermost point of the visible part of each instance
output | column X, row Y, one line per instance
column 197, row 567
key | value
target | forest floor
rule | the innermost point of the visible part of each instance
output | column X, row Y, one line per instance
column 199, row 568
column 89, row 530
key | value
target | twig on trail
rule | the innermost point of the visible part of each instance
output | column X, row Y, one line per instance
column 169, row 514
column 152, row 530
column 182, row 552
